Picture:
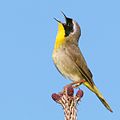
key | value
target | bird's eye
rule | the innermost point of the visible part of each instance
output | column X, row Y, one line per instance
column 68, row 24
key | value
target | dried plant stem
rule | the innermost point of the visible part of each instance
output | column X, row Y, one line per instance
column 68, row 101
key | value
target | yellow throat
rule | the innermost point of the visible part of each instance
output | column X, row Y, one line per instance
column 60, row 38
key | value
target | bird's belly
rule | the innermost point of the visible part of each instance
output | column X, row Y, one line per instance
column 66, row 66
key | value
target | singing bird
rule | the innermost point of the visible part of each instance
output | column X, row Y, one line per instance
column 69, row 60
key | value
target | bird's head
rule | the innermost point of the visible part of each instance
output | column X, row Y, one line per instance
column 68, row 31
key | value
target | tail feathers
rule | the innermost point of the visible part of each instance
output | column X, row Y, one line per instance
column 101, row 98
column 99, row 95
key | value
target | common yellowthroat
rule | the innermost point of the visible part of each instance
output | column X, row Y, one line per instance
column 69, row 60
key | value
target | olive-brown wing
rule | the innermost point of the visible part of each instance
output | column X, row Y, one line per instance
column 75, row 54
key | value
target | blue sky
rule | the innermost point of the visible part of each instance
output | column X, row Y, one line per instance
column 27, row 74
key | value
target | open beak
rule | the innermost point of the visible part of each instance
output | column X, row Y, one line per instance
column 68, row 25
column 66, row 19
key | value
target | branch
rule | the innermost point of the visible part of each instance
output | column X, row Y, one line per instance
column 68, row 101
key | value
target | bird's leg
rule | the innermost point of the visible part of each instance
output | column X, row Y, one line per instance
column 75, row 84
column 78, row 83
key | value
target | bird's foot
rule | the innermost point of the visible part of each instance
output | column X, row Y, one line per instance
column 75, row 84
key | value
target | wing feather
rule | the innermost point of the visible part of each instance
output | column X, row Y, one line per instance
column 75, row 54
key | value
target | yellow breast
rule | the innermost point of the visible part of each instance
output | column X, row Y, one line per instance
column 60, row 38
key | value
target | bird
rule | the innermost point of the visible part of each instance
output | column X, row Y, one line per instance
column 68, row 58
